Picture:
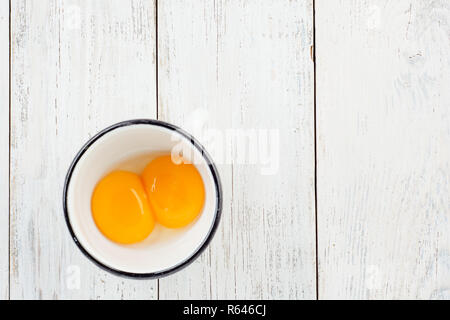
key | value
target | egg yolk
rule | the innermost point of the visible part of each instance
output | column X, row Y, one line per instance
column 120, row 208
column 175, row 191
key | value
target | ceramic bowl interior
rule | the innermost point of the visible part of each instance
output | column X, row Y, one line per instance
column 131, row 146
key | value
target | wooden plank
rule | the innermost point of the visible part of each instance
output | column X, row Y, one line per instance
column 383, row 78
column 77, row 66
column 243, row 65
column 4, row 150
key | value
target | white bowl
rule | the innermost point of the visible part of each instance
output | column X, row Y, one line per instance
column 165, row 250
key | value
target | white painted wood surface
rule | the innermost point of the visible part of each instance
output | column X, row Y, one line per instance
column 246, row 65
column 77, row 66
column 383, row 102
column 383, row 131
column 4, row 150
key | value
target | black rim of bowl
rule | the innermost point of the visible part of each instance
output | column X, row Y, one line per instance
column 217, row 183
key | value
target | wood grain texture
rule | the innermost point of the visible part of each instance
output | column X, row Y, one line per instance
column 4, row 150
column 246, row 65
column 383, row 101
column 77, row 66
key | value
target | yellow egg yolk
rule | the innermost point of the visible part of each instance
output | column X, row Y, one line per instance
column 175, row 191
column 120, row 208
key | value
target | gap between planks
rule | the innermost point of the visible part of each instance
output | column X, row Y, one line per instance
column 314, row 49
column 9, row 154
column 157, row 94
